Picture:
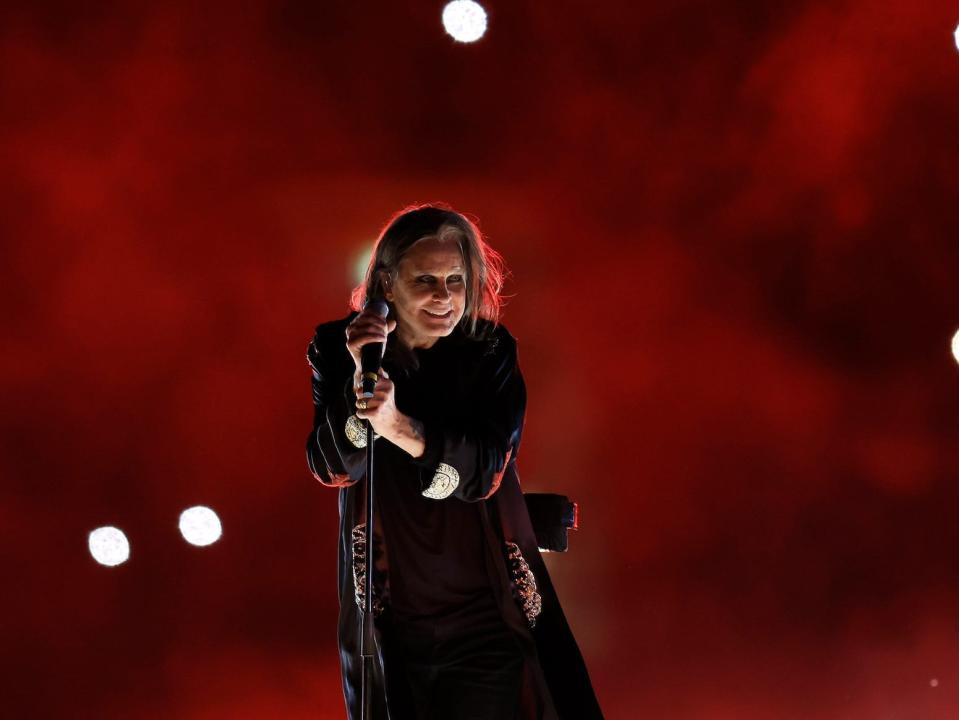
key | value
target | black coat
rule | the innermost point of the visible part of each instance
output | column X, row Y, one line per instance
column 476, row 429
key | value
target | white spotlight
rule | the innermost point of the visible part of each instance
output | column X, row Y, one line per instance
column 955, row 37
column 465, row 20
column 109, row 546
column 360, row 263
column 955, row 346
column 200, row 526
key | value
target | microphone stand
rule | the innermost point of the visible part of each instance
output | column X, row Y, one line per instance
column 367, row 640
column 366, row 613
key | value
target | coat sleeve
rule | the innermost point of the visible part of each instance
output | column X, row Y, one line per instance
column 333, row 459
column 467, row 459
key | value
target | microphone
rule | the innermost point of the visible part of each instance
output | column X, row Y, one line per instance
column 371, row 354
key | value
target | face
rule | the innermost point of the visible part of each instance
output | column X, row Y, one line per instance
column 428, row 291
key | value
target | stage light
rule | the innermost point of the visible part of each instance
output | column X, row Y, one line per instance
column 955, row 346
column 934, row 682
column 109, row 546
column 360, row 263
column 465, row 20
column 955, row 37
column 200, row 526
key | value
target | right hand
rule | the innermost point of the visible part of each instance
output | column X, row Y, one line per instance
column 367, row 327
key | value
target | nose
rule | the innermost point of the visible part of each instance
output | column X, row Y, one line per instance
column 441, row 291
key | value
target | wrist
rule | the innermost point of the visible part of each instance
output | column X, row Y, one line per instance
column 407, row 433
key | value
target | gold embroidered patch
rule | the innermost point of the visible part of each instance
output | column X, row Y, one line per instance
column 444, row 482
column 523, row 584
column 359, row 572
column 355, row 431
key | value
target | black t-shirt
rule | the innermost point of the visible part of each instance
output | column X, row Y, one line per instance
column 436, row 549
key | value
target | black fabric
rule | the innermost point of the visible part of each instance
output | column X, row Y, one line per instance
column 437, row 568
column 468, row 672
column 470, row 396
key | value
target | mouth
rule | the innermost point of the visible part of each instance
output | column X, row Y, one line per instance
column 439, row 316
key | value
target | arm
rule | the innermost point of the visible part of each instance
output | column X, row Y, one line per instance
column 400, row 429
column 478, row 449
column 407, row 433
column 332, row 458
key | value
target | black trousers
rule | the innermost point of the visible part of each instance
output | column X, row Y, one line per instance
column 461, row 672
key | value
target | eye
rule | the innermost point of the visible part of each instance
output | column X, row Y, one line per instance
column 455, row 278
column 425, row 279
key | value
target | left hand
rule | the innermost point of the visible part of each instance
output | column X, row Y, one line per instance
column 380, row 409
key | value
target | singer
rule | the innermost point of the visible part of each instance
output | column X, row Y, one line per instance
column 467, row 623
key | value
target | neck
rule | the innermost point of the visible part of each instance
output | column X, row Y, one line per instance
column 411, row 341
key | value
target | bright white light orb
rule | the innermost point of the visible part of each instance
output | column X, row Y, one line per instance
column 955, row 37
column 360, row 263
column 955, row 346
column 465, row 20
column 200, row 526
column 109, row 546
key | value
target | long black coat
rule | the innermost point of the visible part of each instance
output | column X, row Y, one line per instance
column 476, row 430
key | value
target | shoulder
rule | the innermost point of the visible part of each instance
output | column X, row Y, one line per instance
column 499, row 341
column 329, row 340
column 492, row 345
column 333, row 331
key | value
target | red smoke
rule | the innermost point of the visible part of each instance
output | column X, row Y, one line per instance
column 732, row 237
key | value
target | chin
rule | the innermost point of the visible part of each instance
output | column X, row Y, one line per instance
column 439, row 332
column 454, row 324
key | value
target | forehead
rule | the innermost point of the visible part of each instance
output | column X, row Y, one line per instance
column 433, row 254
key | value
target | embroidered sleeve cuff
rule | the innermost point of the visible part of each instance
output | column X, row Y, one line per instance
column 444, row 482
column 355, row 431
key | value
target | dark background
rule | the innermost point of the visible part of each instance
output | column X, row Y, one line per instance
column 732, row 229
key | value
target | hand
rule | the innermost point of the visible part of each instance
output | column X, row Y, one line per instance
column 380, row 409
column 365, row 328
column 401, row 430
